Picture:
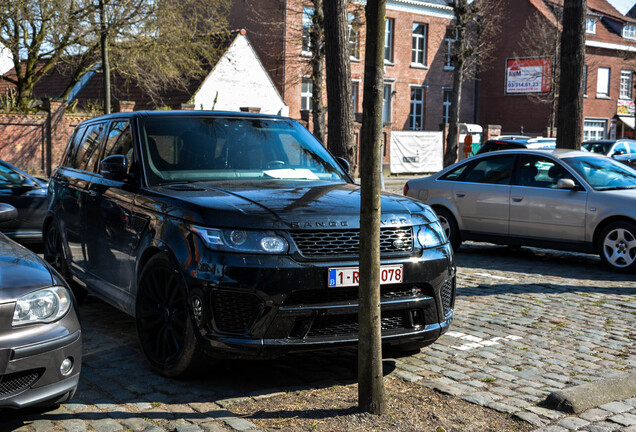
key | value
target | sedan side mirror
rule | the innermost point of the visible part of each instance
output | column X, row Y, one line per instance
column 617, row 153
column 114, row 167
column 566, row 183
column 7, row 212
column 344, row 164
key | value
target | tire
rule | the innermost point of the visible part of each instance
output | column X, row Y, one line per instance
column 448, row 222
column 54, row 254
column 164, row 320
column 617, row 246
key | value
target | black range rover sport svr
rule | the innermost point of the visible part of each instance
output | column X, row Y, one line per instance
column 235, row 235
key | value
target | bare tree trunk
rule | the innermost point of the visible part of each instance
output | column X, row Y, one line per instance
column 105, row 60
column 460, row 9
column 340, row 139
column 370, row 378
column 570, row 120
column 317, row 76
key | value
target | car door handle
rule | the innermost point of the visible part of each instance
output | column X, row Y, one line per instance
column 93, row 194
column 517, row 198
column 460, row 194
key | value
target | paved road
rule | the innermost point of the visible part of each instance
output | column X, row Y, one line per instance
column 528, row 322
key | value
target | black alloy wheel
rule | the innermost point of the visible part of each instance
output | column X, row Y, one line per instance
column 54, row 251
column 54, row 255
column 164, row 322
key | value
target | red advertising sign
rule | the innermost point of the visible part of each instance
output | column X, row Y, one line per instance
column 528, row 75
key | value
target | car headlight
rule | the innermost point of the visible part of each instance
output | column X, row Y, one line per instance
column 237, row 240
column 43, row 306
column 431, row 235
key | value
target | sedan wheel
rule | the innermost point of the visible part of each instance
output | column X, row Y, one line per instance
column 164, row 322
column 447, row 220
column 618, row 246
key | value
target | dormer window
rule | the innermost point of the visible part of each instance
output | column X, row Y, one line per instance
column 629, row 31
column 590, row 25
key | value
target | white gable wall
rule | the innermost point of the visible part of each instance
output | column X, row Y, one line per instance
column 239, row 80
column 6, row 59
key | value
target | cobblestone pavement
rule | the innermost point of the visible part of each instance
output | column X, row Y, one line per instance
column 528, row 321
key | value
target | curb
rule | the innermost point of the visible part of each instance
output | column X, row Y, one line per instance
column 580, row 398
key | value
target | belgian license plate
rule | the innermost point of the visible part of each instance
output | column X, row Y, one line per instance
column 350, row 276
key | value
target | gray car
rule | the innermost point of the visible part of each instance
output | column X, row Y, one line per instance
column 558, row 199
column 40, row 336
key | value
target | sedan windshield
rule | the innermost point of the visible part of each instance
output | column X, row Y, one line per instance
column 603, row 173
column 598, row 147
column 198, row 148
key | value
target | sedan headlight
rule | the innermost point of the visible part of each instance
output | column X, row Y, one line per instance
column 43, row 306
column 237, row 240
column 431, row 235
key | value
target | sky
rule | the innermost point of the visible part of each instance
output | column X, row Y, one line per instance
column 623, row 6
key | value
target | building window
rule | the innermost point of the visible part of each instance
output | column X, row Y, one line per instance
column 308, row 14
column 354, row 96
column 594, row 129
column 354, row 33
column 416, row 117
column 626, row 84
column 602, row 82
column 449, row 42
column 629, row 31
column 305, row 94
column 386, row 103
column 388, row 40
column 418, row 52
column 446, row 104
column 590, row 25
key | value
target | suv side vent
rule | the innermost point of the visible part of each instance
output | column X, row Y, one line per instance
column 234, row 312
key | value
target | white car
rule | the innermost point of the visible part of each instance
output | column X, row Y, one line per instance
column 558, row 199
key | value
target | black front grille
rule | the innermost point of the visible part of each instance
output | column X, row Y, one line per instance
column 348, row 294
column 328, row 243
column 19, row 381
column 234, row 311
column 341, row 325
column 448, row 293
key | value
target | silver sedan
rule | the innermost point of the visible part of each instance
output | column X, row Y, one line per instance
column 557, row 199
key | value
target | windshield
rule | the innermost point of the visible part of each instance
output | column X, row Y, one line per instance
column 187, row 149
column 603, row 173
column 598, row 147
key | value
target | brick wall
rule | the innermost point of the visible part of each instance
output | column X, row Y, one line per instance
column 23, row 138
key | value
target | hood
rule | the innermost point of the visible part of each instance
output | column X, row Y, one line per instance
column 283, row 204
column 21, row 271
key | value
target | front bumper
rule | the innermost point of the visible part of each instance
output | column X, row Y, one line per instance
column 30, row 364
column 266, row 306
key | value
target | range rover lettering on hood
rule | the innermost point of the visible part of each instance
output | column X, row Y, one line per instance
column 334, row 224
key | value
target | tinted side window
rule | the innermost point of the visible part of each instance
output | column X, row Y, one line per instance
column 71, row 149
column 88, row 152
column 494, row 170
column 119, row 141
column 454, row 174
column 9, row 178
column 537, row 171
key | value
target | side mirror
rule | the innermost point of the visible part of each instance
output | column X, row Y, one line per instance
column 114, row 167
column 566, row 183
column 617, row 153
column 7, row 212
column 344, row 164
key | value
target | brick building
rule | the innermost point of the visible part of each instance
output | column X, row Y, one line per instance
column 417, row 74
column 514, row 92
